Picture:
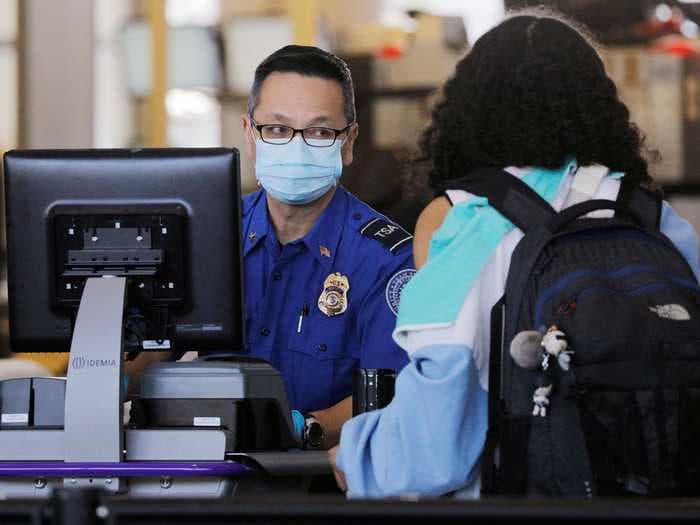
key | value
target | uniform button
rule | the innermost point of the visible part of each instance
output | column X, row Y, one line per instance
column 322, row 347
column 276, row 276
column 265, row 331
column 357, row 216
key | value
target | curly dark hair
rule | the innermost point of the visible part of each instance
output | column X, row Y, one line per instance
column 533, row 91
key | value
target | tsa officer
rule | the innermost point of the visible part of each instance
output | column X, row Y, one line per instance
column 323, row 270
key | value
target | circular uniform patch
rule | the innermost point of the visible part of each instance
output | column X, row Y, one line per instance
column 395, row 286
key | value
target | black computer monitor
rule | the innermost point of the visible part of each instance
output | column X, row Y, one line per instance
column 166, row 219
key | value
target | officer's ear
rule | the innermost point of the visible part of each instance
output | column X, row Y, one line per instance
column 249, row 138
column 349, row 143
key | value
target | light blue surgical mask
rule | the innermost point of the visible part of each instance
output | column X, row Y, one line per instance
column 295, row 173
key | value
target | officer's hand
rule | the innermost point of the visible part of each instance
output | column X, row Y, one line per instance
column 339, row 475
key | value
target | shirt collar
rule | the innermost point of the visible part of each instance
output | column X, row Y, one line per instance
column 323, row 239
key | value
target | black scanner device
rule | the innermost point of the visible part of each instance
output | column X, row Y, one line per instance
column 244, row 397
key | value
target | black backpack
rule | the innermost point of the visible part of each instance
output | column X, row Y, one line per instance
column 618, row 411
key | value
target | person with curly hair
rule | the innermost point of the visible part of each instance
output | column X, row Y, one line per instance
column 532, row 97
column 529, row 94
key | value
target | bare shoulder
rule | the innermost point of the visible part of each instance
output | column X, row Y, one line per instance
column 429, row 220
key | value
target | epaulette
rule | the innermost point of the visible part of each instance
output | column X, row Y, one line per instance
column 390, row 235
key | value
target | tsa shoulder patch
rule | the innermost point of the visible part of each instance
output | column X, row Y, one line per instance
column 390, row 235
column 395, row 286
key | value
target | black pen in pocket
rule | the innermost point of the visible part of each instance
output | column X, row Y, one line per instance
column 303, row 313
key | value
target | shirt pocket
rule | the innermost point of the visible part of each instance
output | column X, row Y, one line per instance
column 320, row 361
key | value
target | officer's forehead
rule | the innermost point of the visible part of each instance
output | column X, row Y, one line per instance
column 300, row 98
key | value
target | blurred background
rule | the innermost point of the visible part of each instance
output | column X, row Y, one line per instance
column 132, row 73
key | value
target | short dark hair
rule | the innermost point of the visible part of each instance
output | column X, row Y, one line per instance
column 309, row 61
column 533, row 91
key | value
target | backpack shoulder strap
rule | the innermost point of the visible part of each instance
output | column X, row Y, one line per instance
column 645, row 203
column 513, row 199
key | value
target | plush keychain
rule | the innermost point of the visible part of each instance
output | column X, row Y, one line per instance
column 555, row 344
column 541, row 396
column 531, row 349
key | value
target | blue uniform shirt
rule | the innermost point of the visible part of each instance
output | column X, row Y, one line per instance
column 317, row 353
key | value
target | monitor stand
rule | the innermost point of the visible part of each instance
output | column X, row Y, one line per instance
column 94, row 390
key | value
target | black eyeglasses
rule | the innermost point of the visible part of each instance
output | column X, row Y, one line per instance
column 316, row 137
